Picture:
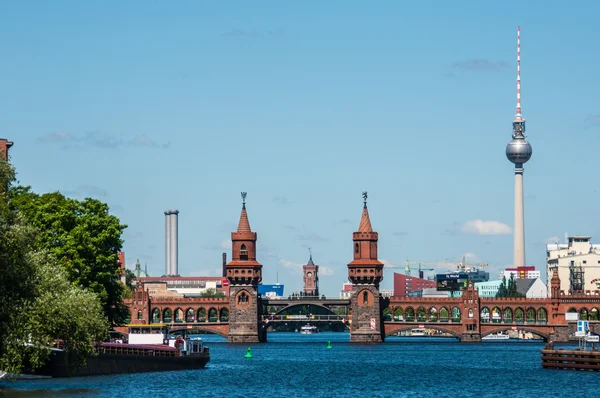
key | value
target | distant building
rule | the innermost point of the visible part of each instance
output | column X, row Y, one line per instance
column 578, row 263
column 270, row 291
column 429, row 292
column 188, row 286
column 404, row 284
column 488, row 289
column 138, row 272
column 346, row 292
column 386, row 292
column 311, row 278
column 532, row 288
column 525, row 272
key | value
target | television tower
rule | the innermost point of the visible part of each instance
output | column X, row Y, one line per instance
column 519, row 151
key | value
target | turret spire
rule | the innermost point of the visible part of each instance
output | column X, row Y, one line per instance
column 365, row 221
column 244, row 224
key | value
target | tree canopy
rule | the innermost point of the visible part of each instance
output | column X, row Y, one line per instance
column 508, row 289
column 39, row 303
column 84, row 238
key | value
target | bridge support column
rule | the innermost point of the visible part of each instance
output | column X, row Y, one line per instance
column 244, row 316
column 366, row 308
column 470, row 338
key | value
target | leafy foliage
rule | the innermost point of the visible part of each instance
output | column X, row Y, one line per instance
column 212, row 293
column 84, row 238
column 508, row 290
column 39, row 304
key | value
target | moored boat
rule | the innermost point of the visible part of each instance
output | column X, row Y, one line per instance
column 309, row 329
column 496, row 336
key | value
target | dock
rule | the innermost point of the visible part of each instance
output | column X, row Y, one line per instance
column 577, row 359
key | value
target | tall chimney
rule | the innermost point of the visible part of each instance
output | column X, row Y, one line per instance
column 174, row 243
column 167, row 243
column 224, row 265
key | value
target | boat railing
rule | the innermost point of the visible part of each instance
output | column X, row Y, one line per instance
column 138, row 349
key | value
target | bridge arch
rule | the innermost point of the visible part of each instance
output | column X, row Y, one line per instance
column 434, row 327
column 532, row 330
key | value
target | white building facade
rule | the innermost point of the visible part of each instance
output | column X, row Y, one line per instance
column 578, row 263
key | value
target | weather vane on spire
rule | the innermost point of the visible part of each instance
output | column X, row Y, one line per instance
column 244, row 198
column 365, row 196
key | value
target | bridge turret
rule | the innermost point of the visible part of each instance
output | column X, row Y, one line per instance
column 365, row 272
column 244, row 274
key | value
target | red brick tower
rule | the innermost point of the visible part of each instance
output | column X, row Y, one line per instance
column 470, row 314
column 244, row 274
column 365, row 273
column 555, row 295
column 4, row 147
column 311, row 278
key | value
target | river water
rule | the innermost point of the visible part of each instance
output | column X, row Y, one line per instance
column 294, row 365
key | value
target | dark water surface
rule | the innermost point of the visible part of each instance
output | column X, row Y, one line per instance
column 293, row 365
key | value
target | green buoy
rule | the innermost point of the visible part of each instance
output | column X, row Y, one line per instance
column 329, row 344
column 248, row 354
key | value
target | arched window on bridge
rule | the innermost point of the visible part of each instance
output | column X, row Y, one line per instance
column 470, row 313
column 189, row 315
column 140, row 314
column 433, row 314
column 496, row 315
column 398, row 314
column 530, row 315
column 593, row 315
column 243, row 252
column 444, row 315
column 485, row 315
column 542, row 316
column 583, row 314
column 519, row 315
column 167, row 315
column 178, row 315
column 421, row 314
column 508, row 315
column 456, row 314
column 224, row 315
column 365, row 297
column 201, row 315
column 212, row 315
column 410, row 314
column 156, row 315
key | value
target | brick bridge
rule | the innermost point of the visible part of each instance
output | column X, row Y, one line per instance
column 242, row 317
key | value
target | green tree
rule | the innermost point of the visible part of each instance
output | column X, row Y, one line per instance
column 502, row 289
column 84, row 238
column 212, row 293
column 38, row 303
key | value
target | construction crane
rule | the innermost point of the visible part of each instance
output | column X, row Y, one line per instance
column 408, row 268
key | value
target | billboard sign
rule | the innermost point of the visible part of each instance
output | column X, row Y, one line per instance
column 451, row 282
column 270, row 290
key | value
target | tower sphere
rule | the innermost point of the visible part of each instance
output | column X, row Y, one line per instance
column 518, row 150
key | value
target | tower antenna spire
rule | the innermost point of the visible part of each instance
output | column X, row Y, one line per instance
column 518, row 116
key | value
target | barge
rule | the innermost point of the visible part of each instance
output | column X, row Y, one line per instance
column 148, row 349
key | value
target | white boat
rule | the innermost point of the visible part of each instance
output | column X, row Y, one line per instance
column 496, row 336
column 418, row 332
column 308, row 329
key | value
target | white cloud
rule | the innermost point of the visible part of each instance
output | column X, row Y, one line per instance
column 470, row 257
column 481, row 227
column 326, row 271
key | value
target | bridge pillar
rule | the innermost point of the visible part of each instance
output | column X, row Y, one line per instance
column 365, row 272
column 244, row 274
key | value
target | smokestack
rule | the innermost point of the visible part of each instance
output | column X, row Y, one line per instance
column 167, row 243
column 171, row 243
column 224, row 264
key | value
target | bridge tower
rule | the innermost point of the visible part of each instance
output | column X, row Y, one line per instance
column 244, row 274
column 365, row 272
column 311, row 278
column 470, row 314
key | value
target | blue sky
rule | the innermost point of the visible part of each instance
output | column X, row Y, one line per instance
column 304, row 105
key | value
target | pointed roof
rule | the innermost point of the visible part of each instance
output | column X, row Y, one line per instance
column 365, row 221
column 244, row 224
column 310, row 261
